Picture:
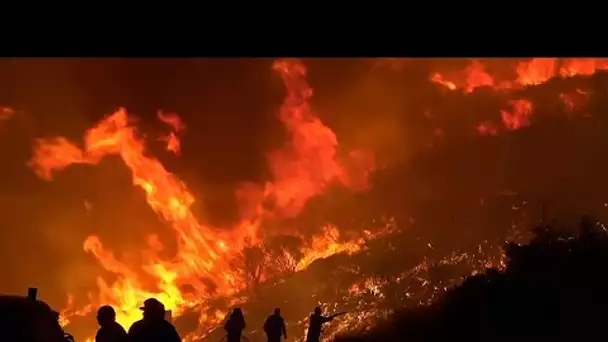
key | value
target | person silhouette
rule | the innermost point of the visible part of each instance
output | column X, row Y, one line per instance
column 109, row 329
column 315, row 324
column 274, row 327
column 153, row 327
column 235, row 325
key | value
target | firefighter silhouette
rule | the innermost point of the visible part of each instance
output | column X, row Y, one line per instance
column 153, row 327
column 274, row 327
column 315, row 324
column 109, row 329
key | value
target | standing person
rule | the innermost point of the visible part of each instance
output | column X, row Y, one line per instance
column 109, row 329
column 274, row 327
column 315, row 324
column 153, row 327
column 235, row 325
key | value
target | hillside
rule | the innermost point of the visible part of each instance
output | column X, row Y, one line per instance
column 552, row 289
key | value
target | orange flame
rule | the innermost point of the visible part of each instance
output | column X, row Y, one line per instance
column 527, row 73
column 176, row 124
column 302, row 170
column 532, row 72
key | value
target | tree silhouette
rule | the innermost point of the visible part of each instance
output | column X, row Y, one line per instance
column 284, row 253
column 251, row 262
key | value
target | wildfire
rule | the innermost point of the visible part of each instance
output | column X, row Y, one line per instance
column 216, row 262
column 526, row 73
column 533, row 72
column 374, row 298
column 302, row 169
column 517, row 112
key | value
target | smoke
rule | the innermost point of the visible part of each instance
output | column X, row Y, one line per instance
column 371, row 113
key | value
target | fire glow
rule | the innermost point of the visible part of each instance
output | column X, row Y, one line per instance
column 302, row 169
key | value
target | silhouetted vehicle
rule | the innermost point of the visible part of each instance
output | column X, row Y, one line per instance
column 28, row 320
column 153, row 327
column 235, row 325
column 109, row 329
column 274, row 327
column 315, row 324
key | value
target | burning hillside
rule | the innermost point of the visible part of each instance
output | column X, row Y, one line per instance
column 263, row 257
column 204, row 261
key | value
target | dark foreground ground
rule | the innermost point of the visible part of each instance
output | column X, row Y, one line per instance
column 554, row 288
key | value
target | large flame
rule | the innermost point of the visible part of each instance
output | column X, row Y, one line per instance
column 302, row 169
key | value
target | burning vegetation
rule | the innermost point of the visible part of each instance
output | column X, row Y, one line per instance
column 367, row 268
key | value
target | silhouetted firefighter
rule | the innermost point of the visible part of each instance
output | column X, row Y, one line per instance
column 315, row 325
column 235, row 325
column 109, row 329
column 274, row 327
column 153, row 327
